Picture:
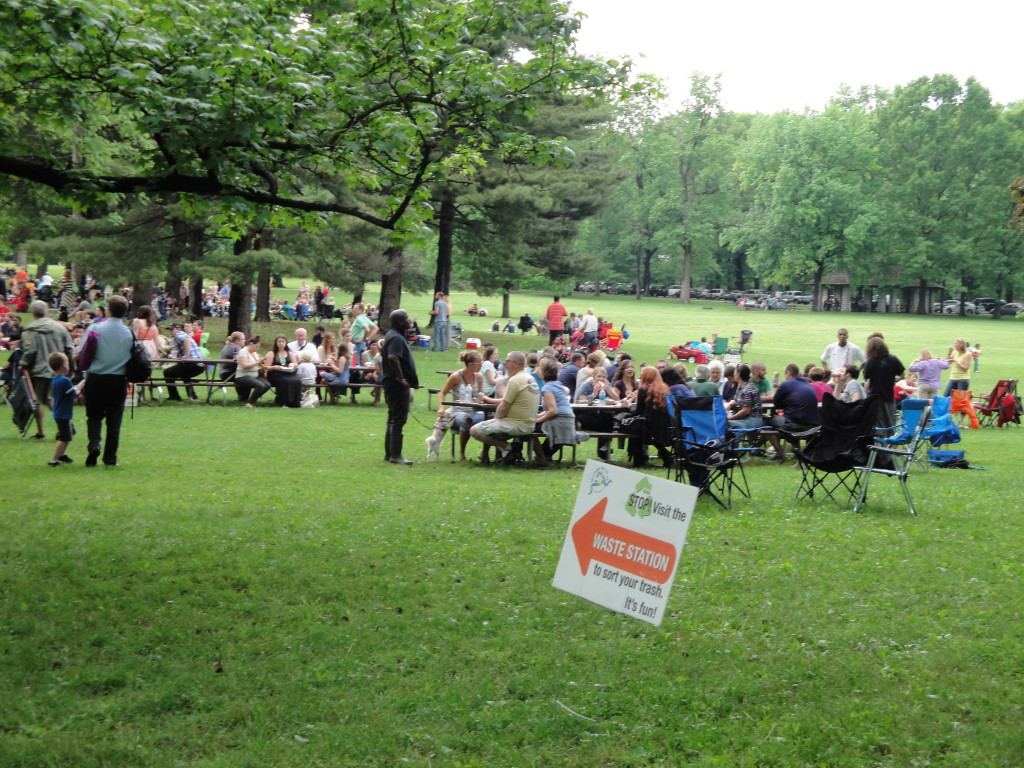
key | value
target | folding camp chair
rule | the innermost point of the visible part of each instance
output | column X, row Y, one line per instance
column 961, row 403
column 988, row 407
column 830, row 460
column 455, row 334
column 703, row 449
column 612, row 340
column 24, row 408
column 1009, row 410
column 941, row 429
column 721, row 346
column 894, row 456
column 910, row 430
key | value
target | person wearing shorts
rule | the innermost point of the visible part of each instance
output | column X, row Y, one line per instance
column 516, row 413
column 64, row 394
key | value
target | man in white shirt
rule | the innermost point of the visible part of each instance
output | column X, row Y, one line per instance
column 588, row 327
column 306, row 354
column 842, row 353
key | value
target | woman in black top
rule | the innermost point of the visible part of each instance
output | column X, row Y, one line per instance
column 881, row 371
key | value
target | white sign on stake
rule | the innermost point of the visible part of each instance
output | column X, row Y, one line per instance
column 624, row 540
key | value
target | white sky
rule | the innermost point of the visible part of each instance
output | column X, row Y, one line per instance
column 792, row 54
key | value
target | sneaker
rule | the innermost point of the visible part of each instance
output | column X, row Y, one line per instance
column 37, row 436
column 53, row 463
column 90, row 460
column 66, row 459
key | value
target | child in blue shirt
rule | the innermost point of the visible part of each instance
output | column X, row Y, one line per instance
column 64, row 394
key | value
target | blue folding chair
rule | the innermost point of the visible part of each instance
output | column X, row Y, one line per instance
column 704, row 450
column 909, row 431
column 941, row 429
column 893, row 456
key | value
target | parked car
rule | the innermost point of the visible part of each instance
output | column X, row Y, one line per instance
column 985, row 304
column 1011, row 308
column 674, row 291
column 795, row 297
column 952, row 307
column 715, row 293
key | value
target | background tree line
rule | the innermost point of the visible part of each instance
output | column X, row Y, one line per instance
column 417, row 143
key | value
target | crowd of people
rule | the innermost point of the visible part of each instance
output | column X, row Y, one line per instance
column 571, row 330
column 527, row 393
column 561, row 378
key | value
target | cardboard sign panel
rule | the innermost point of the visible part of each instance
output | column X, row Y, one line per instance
column 624, row 540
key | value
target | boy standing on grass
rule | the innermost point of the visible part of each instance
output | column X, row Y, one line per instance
column 64, row 393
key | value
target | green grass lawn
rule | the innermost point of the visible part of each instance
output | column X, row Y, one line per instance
column 258, row 588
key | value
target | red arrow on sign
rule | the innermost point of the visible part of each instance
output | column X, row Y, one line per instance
column 618, row 547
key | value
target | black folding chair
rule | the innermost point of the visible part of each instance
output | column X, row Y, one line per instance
column 829, row 462
column 22, row 405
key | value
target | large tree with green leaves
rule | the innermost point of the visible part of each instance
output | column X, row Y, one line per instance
column 813, row 209
column 679, row 191
column 240, row 107
column 516, row 222
column 949, row 154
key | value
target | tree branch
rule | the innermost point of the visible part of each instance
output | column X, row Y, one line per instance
column 69, row 183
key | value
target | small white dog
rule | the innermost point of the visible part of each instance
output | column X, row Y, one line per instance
column 436, row 438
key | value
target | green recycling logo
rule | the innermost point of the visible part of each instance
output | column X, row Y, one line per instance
column 640, row 500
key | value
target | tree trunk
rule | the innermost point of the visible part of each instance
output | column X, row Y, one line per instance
column 648, row 255
column 262, row 296
column 445, row 238
column 390, row 286
column 172, row 284
column 506, row 300
column 687, row 276
column 816, row 300
column 21, row 255
column 195, row 296
column 239, row 316
column 640, row 284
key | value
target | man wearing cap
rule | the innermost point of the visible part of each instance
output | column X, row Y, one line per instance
column 191, row 365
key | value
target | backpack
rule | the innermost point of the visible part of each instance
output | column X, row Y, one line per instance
column 139, row 367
